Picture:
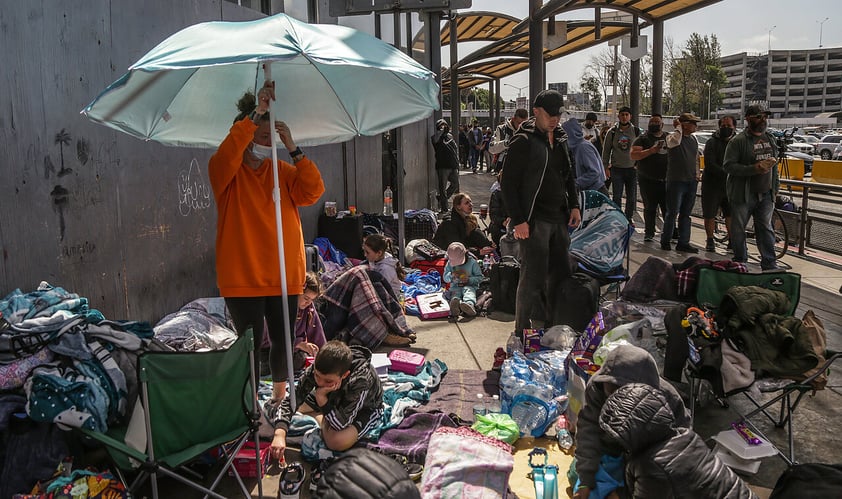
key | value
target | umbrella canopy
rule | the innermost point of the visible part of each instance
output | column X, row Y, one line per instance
column 332, row 83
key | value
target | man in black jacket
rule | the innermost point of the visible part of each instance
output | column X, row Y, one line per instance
column 539, row 193
column 447, row 162
column 714, row 195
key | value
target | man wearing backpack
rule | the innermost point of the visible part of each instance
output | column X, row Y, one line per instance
column 616, row 157
column 502, row 134
column 539, row 193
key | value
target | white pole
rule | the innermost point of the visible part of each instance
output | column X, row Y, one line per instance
column 276, row 196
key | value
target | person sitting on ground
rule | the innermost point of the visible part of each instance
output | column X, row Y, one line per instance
column 309, row 334
column 464, row 275
column 624, row 365
column 461, row 225
column 341, row 390
column 587, row 161
column 378, row 254
column 661, row 459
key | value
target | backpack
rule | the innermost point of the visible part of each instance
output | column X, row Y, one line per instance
column 504, row 276
column 578, row 301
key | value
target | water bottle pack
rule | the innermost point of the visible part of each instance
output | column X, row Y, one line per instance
column 533, row 389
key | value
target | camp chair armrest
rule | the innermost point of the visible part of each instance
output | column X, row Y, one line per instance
column 823, row 368
column 116, row 444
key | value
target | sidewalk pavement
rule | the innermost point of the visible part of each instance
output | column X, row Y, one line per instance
column 470, row 344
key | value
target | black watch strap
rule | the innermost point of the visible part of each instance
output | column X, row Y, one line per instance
column 296, row 152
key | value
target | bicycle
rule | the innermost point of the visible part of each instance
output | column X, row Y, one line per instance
column 720, row 234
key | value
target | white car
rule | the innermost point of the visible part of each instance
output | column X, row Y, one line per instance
column 702, row 137
column 800, row 144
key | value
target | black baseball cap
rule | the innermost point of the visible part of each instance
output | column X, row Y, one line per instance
column 550, row 101
column 624, row 109
column 757, row 110
column 591, row 116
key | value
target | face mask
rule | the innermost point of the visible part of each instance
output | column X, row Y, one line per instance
column 757, row 126
column 726, row 132
column 261, row 152
column 654, row 128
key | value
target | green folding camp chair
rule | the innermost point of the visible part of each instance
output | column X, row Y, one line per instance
column 192, row 402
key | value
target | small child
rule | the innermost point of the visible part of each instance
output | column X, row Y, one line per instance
column 464, row 275
column 341, row 390
column 309, row 334
column 376, row 249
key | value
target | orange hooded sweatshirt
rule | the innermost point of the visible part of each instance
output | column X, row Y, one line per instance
column 246, row 235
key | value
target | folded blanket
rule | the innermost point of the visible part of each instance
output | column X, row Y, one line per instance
column 412, row 436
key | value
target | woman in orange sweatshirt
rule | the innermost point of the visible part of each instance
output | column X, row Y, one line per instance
column 247, row 266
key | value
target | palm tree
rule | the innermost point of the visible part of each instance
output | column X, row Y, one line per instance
column 63, row 139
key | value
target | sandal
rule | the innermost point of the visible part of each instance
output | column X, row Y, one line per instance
column 289, row 486
column 414, row 470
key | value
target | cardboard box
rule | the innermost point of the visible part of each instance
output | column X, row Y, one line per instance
column 244, row 460
column 433, row 306
column 532, row 340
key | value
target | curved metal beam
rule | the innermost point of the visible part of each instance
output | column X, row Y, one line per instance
column 555, row 7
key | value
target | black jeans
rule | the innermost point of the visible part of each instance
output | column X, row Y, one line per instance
column 544, row 265
column 625, row 178
column 251, row 312
column 654, row 194
column 446, row 176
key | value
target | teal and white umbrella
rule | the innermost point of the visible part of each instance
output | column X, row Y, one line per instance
column 332, row 83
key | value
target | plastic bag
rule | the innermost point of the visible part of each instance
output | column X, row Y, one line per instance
column 499, row 426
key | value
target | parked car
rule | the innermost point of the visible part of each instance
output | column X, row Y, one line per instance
column 827, row 144
column 802, row 143
column 702, row 137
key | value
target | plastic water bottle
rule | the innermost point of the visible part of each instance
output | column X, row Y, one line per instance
column 494, row 406
column 565, row 440
column 387, row 202
column 479, row 407
column 528, row 417
column 513, row 345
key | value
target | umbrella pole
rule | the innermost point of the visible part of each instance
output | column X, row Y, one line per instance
column 276, row 196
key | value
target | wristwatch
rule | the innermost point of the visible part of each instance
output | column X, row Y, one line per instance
column 297, row 154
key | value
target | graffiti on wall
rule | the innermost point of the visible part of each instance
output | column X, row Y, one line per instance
column 194, row 192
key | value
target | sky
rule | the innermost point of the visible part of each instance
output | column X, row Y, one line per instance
column 739, row 25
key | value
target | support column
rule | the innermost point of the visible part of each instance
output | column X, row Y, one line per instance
column 455, row 98
column 536, row 52
column 634, row 98
column 490, row 102
column 497, row 111
column 433, row 25
column 658, row 67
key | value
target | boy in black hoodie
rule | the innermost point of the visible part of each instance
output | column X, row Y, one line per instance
column 341, row 390
column 623, row 365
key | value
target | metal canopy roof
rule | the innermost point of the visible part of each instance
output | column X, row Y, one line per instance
column 508, row 51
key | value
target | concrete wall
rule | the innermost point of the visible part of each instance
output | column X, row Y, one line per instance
column 130, row 225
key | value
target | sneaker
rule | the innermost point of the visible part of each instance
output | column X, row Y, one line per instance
column 468, row 309
column 455, row 306
column 394, row 340
column 289, row 486
column 709, row 245
column 666, row 246
column 648, row 239
column 499, row 358
column 686, row 249
column 414, row 470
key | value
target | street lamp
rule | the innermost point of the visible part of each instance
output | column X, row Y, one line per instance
column 519, row 89
column 821, row 25
column 769, row 48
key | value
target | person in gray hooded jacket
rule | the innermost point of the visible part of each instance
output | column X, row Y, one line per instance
column 662, row 460
column 624, row 365
column 587, row 161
